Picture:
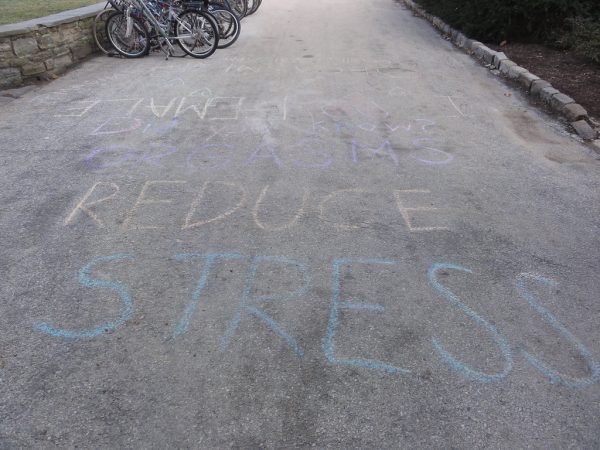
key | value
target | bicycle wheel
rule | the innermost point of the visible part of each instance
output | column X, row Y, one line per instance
column 239, row 7
column 197, row 33
column 255, row 5
column 99, row 31
column 228, row 25
column 249, row 6
column 132, row 41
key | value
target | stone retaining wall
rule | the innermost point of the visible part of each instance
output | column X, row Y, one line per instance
column 42, row 48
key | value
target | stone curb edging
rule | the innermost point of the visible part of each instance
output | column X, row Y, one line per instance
column 534, row 85
column 43, row 47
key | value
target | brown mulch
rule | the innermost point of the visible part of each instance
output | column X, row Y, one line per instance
column 569, row 74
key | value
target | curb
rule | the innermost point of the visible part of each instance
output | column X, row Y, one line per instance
column 499, row 63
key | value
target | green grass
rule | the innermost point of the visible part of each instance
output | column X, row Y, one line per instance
column 12, row 11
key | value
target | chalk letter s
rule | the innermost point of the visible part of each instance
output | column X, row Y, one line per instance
column 500, row 341
column 86, row 281
column 553, row 375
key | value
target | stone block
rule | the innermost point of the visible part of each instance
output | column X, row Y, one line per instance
column 43, row 56
column 460, row 40
column 474, row 45
column 61, row 51
column 526, row 78
column 71, row 34
column 10, row 77
column 547, row 93
column 584, row 130
column 574, row 112
column 5, row 47
column 488, row 55
column 6, row 56
column 66, row 34
column 559, row 101
column 538, row 85
column 46, row 41
column 515, row 71
column 484, row 53
column 506, row 65
column 81, row 50
column 498, row 58
column 49, row 63
column 18, row 62
column 63, row 61
column 25, row 46
column 33, row 69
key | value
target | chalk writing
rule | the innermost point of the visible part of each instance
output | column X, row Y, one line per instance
column 406, row 212
column 248, row 302
column 85, row 207
column 209, row 261
column 142, row 200
column 188, row 220
column 87, row 106
column 499, row 340
column 333, row 324
column 285, row 226
column 349, row 115
column 552, row 374
column 117, row 125
column 87, row 281
column 232, row 197
column 312, row 153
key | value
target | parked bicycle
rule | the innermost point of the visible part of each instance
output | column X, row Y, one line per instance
column 131, row 28
column 132, row 31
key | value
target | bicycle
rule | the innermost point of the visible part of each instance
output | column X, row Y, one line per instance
column 129, row 30
column 99, row 26
column 227, row 21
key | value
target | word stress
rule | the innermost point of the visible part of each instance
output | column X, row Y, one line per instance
column 250, row 303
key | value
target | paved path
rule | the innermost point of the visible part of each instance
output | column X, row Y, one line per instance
column 339, row 233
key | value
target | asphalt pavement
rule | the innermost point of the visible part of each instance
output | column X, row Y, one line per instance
column 341, row 232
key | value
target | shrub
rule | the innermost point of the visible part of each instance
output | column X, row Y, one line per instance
column 523, row 20
column 583, row 36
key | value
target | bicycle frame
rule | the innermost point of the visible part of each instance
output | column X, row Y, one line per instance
column 149, row 16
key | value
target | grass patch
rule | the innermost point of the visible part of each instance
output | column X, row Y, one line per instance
column 12, row 11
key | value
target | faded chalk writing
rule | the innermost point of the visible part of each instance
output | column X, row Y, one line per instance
column 251, row 303
column 232, row 199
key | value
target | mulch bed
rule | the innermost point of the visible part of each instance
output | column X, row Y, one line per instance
column 569, row 74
